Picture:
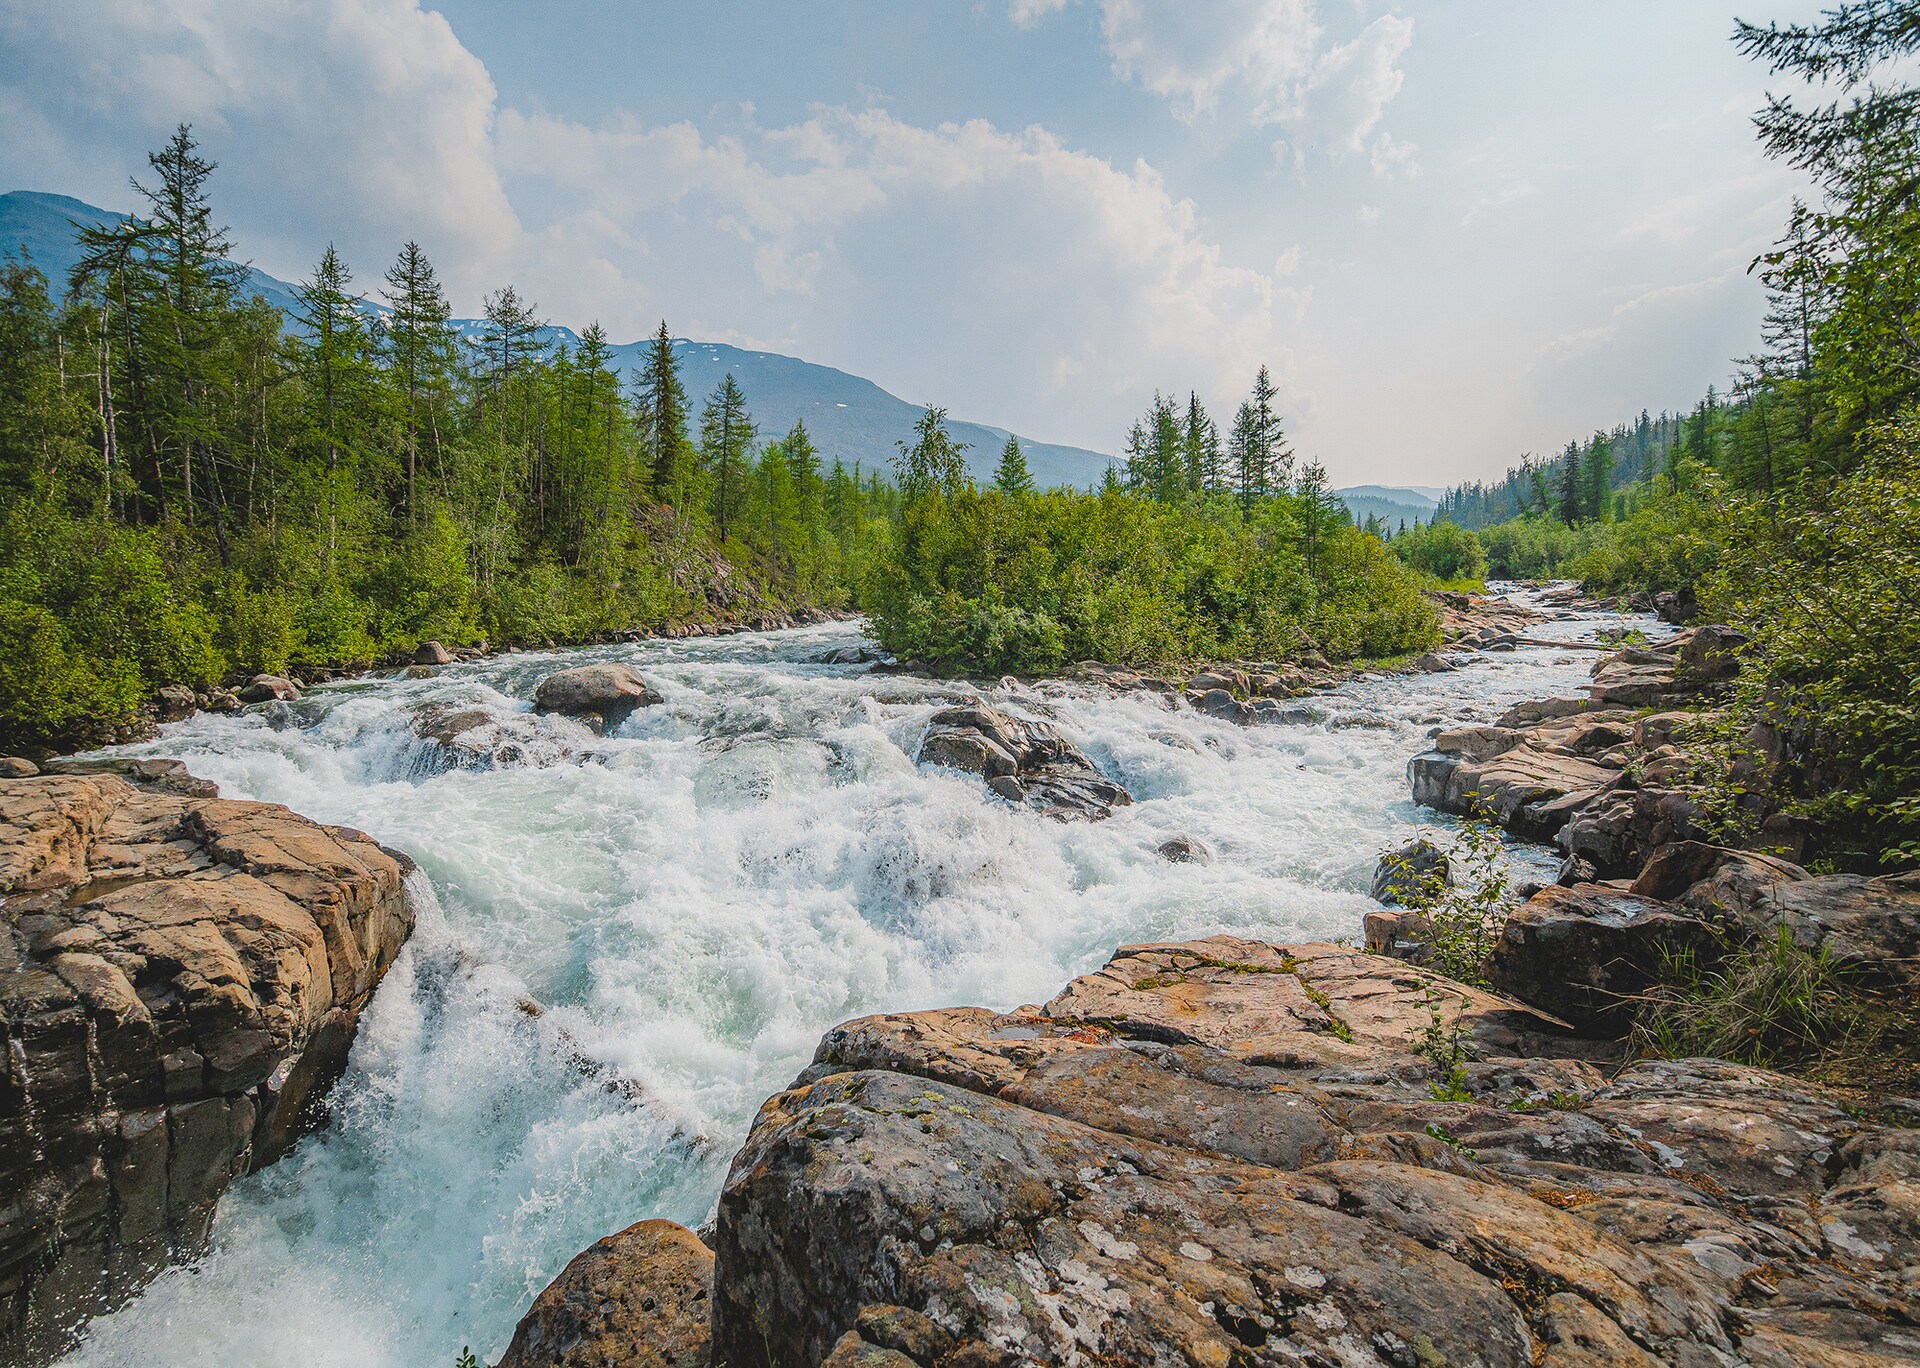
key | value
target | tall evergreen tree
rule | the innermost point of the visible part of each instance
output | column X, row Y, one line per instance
column 336, row 356
column 1010, row 477
column 1572, row 495
column 1599, row 477
column 663, row 402
column 934, row 463
column 1320, row 513
column 419, row 348
column 726, row 438
column 1201, row 442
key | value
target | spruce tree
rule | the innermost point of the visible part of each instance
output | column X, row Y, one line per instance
column 934, row 463
column 1599, row 477
column 336, row 357
column 1201, row 441
column 419, row 345
column 663, row 404
column 1010, row 477
column 726, row 436
column 1570, row 490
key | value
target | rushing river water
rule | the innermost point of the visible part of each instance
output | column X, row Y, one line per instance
column 723, row 879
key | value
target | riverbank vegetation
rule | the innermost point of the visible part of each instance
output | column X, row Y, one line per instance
column 1791, row 506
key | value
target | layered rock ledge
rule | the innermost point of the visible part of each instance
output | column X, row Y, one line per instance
column 182, row 979
column 1231, row 1153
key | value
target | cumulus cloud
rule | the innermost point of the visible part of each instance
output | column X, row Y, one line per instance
column 1031, row 272
column 1266, row 57
column 355, row 115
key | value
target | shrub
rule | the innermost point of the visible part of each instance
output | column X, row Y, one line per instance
column 1444, row 550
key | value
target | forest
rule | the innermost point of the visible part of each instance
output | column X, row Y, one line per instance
column 195, row 486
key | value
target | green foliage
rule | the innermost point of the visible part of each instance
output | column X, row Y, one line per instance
column 1466, row 910
column 989, row 582
column 1765, row 1004
column 192, row 483
column 1444, row 550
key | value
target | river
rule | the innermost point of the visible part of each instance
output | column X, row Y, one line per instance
column 727, row 876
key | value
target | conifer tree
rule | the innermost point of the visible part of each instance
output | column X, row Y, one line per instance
column 726, row 436
column 1320, row 514
column 419, row 346
column 934, row 463
column 1599, row 477
column 663, row 402
column 1202, row 449
column 1011, row 477
column 336, row 355
column 1570, row 491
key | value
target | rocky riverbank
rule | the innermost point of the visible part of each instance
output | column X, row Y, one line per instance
column 183, row 977
column 1227, row 1152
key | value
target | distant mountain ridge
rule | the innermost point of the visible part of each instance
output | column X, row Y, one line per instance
column 850, row 418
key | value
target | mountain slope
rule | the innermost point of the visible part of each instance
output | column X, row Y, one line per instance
column 849, row 418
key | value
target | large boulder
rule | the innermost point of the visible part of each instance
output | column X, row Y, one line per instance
column 609, row 692
column 1179, row 1161
column 1027, row 763
column 180, row 982
column 174, row 703
column 266, row 688
column 638, row 1299
column 1869, row 926
column 433, row 653
column 1583, row 952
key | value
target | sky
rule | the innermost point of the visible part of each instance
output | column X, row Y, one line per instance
column 1456, row 231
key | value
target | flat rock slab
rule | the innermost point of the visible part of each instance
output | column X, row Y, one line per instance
column 1161, row 1167
column 180, row 977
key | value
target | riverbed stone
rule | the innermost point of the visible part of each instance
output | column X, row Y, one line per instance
column 17, row 767
column 1026, row 762
column 267, row 688
column 433, row 653
column 637, row 1299
column 610, row 691
column 183, row 978
column 1411, row 875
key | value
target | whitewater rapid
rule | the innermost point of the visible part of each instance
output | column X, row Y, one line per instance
column 693, row 904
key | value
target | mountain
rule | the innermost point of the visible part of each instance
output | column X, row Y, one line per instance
column 850, row 418
column 1392, row 504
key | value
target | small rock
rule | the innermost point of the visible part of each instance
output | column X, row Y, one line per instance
column 265, row 688
column 1574, row 870
column 432, row 653
column 14, row 767
column 419, row 672
column 1413, row 875
column 1186, row 850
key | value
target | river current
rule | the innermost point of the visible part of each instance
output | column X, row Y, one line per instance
column 693, row 904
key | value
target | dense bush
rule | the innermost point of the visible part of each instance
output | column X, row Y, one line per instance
column 1444, row 550
column 1023, row 582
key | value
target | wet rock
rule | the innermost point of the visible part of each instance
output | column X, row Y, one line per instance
column 1619, row 684
column 265, row 688
column 433, row 653
column 1527, row 789
column 1221, row 704
column 611, row 691
column 1574, row 870
column 1411, row 875
column 847, row 655
column 1025, row 762
column 146, row 772
column 638, row 1299
column 14, row 767
column 1186, row 850
column 184, row 976
column 1583, row 952
column 175, row 703
column 419, row 672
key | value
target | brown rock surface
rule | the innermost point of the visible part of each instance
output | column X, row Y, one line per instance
column 608, row 691
column 1180, row 1161
column 182, row 976
column 638, row 1299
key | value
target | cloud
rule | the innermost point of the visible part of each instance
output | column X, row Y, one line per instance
column 1063, row 281
column 1368, row 214
column 1264, row 56
column 1571, row 345
column 1026, row 13
column 359, row 115
column 1000, row 271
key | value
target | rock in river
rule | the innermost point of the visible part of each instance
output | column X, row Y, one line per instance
column 182, row 979
column 1029, row 763
column 607, row 691
column 638, row 1299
